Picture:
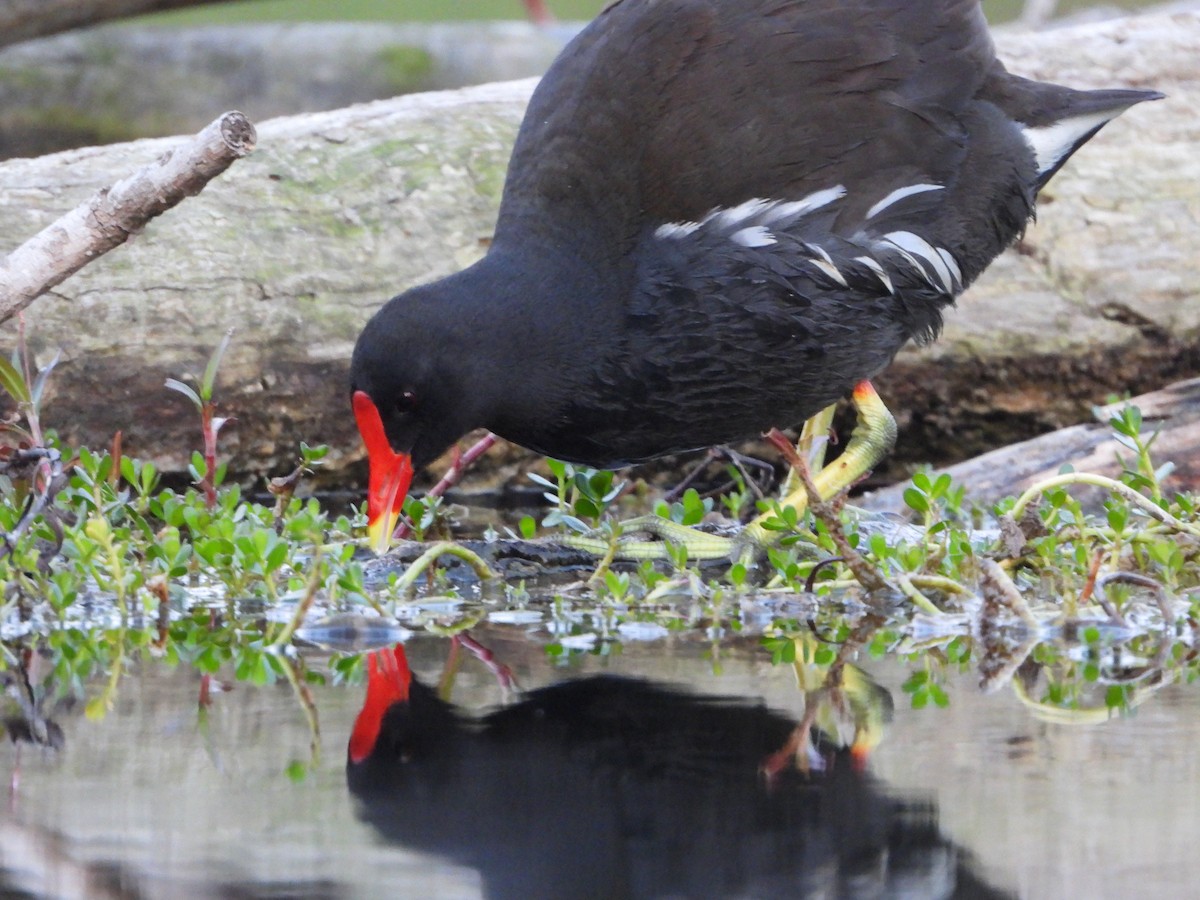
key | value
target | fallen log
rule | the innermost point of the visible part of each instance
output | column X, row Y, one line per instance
column 21, row 20
column 1171, row 415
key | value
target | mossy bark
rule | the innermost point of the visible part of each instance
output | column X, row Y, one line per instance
column 298, row 244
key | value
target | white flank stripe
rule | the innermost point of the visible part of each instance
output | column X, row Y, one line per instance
column 820, row 251
column 952, row 265
column 726, row 218
column 794, row 209
column 755, row 215
column 875, row 267
column 918, row 246
column 1050, row 143
column 899, row 194
column 829, row 269
column 754, row 236
column 675, row 229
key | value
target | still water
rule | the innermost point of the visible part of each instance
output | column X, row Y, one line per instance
column 977, row 799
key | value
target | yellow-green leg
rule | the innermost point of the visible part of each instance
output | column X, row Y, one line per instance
column 873, row 436
column 813, row 442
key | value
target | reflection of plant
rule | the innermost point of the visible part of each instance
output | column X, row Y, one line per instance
column 99, row 530
column 1103, row 676
column 841, row 701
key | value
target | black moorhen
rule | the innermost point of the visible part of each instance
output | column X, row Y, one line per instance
column 720, row 217
column 611, row 787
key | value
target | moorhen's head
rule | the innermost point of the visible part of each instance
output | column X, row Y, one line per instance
column 401, row 720
column 408, row 401
column 388, row 684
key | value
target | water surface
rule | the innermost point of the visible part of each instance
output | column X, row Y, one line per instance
column 152, row 802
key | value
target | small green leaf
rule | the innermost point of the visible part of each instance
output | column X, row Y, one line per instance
column 915, row 681
column 782, row 649
column 1117, row 696
column 214, row 361
column 916, row 500
column 737, row 574
column 14, row 382
column 176, row 385
column 575, row 524
column 941, row 486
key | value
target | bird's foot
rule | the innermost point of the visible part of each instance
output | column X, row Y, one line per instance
column 873, row 436
column 701, row 546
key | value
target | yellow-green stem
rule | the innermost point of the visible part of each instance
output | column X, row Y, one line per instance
column 443, row 548
column 302, row 608
column 913, row 593
column 309, row 707
column 1111, row 484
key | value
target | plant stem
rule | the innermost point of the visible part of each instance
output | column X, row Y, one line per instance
column 1140, row 500
column 442, row 548
column 302, row 608
column 210, row 455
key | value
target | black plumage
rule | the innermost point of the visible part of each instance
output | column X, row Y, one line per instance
column 637, row 301
column 612, row 787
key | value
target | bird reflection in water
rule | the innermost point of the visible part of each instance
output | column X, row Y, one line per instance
column 612, row 787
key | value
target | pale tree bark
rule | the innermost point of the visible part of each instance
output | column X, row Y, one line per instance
column 1172, row 414
column 114, row 214
column 23, row 20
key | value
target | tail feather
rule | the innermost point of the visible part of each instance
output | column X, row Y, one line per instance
column 1053, row 145
column 1056, row 121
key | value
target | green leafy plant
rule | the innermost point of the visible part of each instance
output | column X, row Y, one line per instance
column 580, row 495
column 204, row 469
column 689, row 509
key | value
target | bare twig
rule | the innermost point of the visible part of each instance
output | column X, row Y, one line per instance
column 116, row 213
column 828, row 513
column 1139, row 580
column 738, row 460
column 462, row 461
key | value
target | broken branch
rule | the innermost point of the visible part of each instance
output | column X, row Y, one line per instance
column 116, row 213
